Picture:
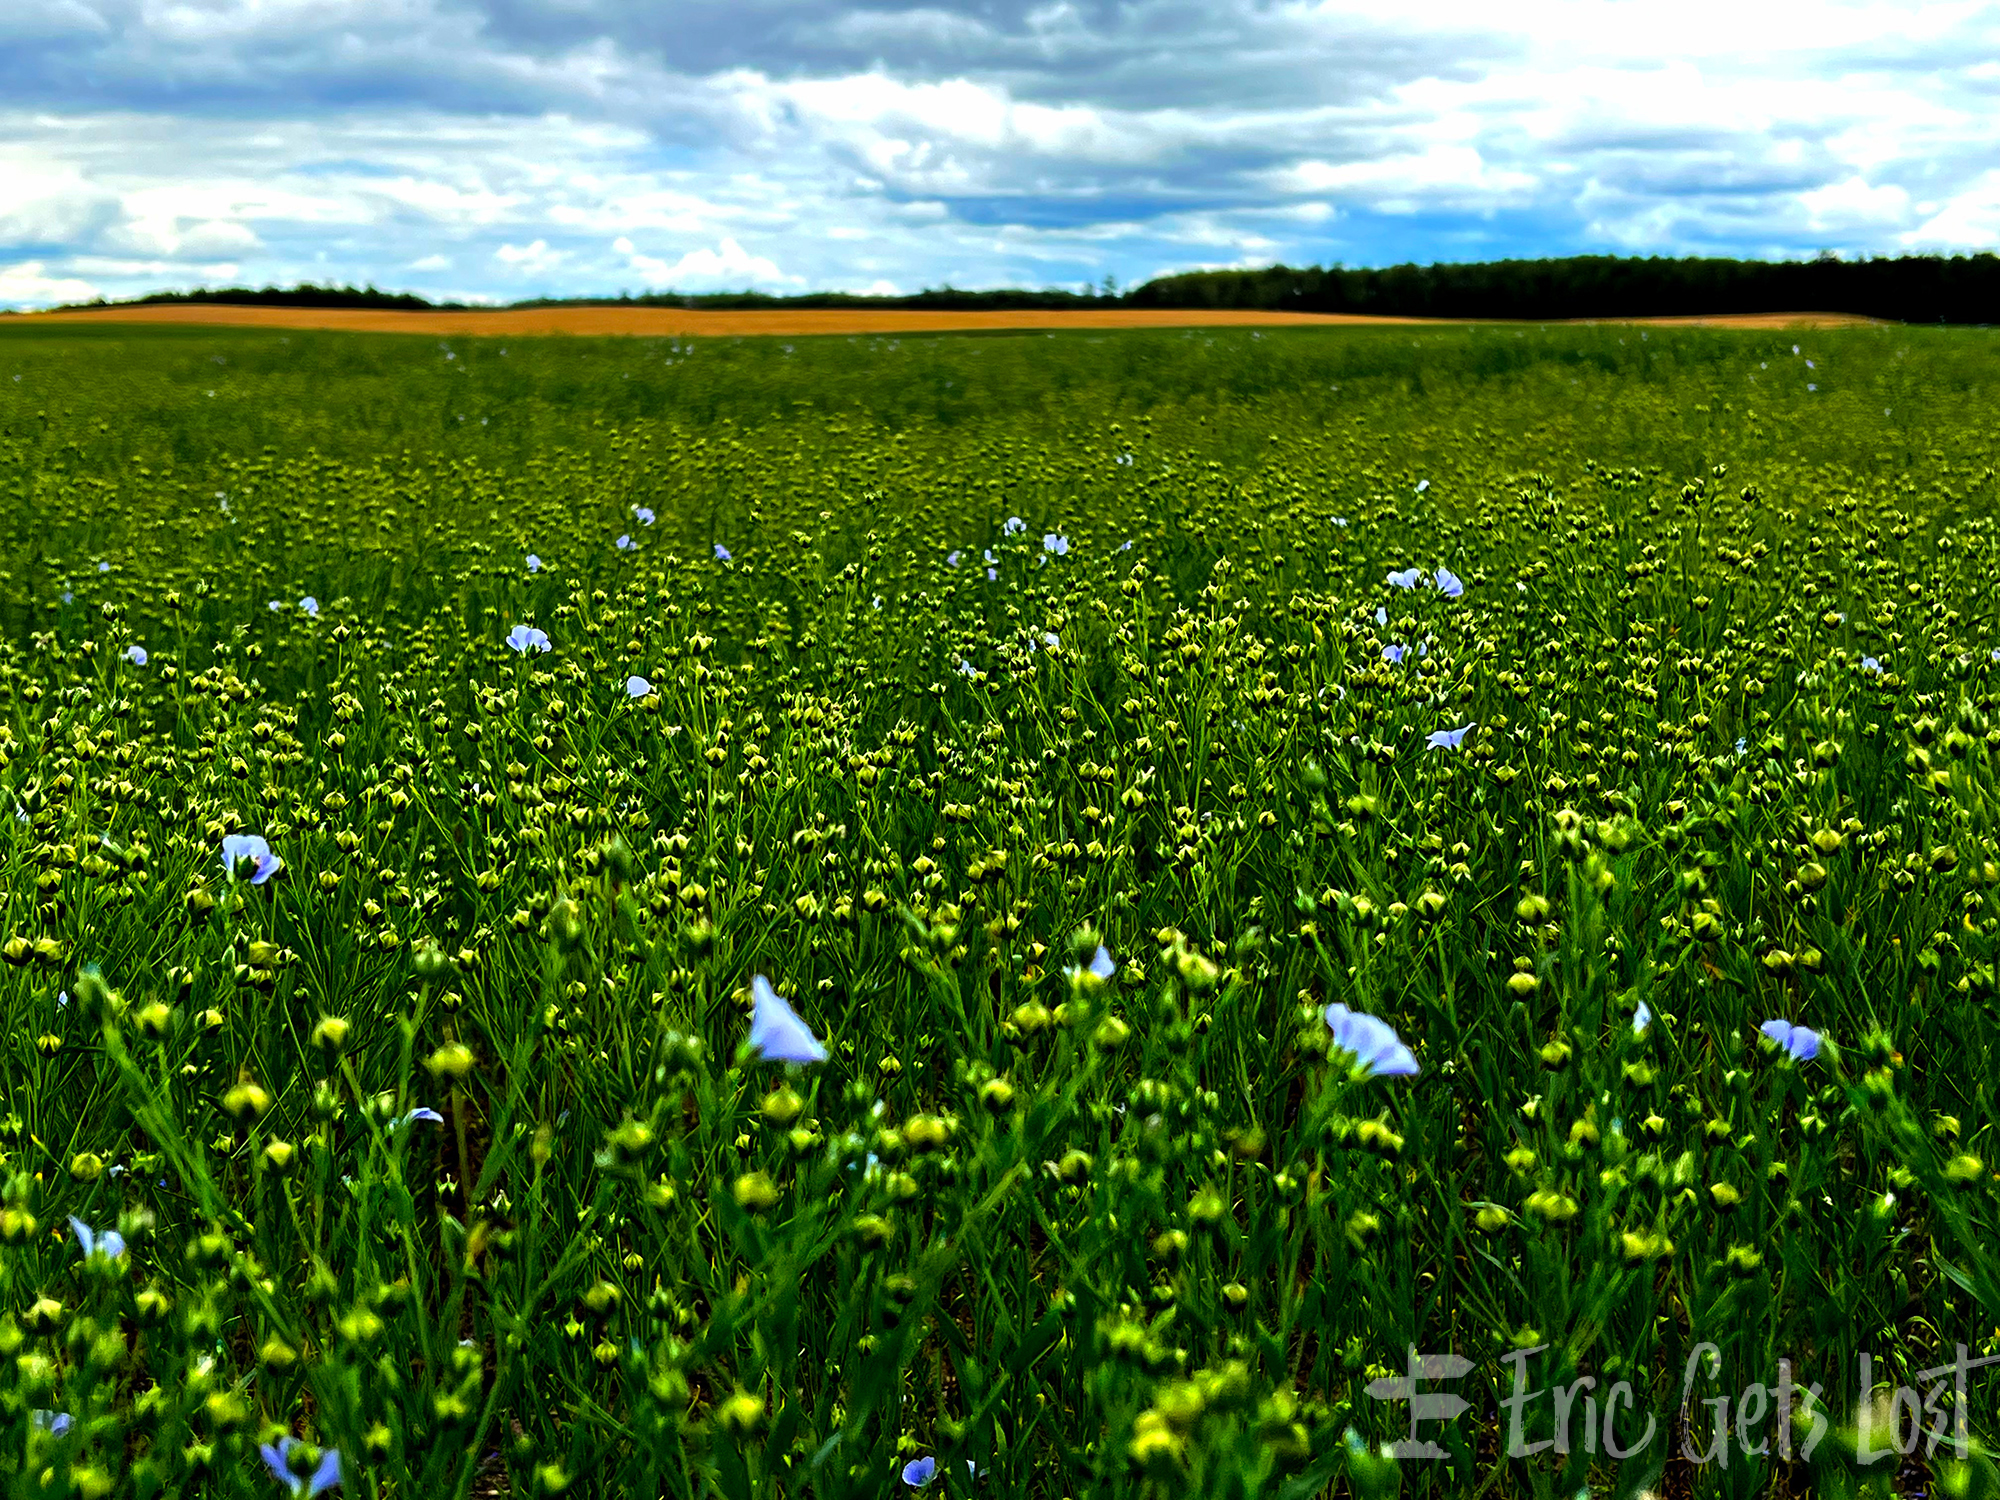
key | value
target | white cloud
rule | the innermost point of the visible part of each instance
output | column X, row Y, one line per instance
column 1969, row 221
column 534, row 259
column 727, row 265
column 26, row 285
column 1855, row 203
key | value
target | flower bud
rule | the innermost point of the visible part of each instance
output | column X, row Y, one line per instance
column 755, row 1192
column 453, row 1061
column 247, row 1102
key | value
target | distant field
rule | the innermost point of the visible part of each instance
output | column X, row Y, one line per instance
column 661, row 322
column 1290, row 841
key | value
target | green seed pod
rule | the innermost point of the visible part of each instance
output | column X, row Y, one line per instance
column 451, row 1062
column 755, row 1192
column 247, row 1102
column 781, row 1108
column 1964, row 1170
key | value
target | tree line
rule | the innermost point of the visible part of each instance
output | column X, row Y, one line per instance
column 1908, row 288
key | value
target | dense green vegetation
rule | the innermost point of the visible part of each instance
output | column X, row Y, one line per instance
column 442, row 1145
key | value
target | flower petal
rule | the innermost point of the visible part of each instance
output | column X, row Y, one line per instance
column 776, row 1031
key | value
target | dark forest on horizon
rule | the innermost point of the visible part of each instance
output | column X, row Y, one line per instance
column 1911, row 289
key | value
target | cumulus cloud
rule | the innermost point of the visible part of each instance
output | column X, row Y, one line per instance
column 488, row 148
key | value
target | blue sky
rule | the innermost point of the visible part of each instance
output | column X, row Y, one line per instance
column 488, row 150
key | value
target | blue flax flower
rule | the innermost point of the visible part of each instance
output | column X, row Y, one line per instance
column 534, row 563
column 136, row 655
column 1373, row 1044
column 1449, row 583
column 1014, row 524
column 525, row 638
column 325, row 1477
column 107, row 1242
column 951, row 559
column 1407, row 579
column 721, row 553
column 1802, row 1042
column 239, row 847
column 644, row 513
column 1056, row 544
column 1448, row 739
column 637, row 687
column 919, row 1472
column 1869, row 664
column 624, row 543
column 1642, row 1018
column 776, row 1032
column 1393, row 655
column 309, row 606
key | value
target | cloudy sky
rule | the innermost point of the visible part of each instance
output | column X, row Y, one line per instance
column 495, row 149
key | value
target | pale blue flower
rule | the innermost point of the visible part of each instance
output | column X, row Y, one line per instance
column 992, row 574
column 919, row 1472
column 56, row 1422
column 637, row 687
column 721, row 553
column 1447, row 739
column 1802, row 1042
column 136, row 655
column 276, row 605
column 325, row 1477
column 1407, row 579
column 951, row 559
column 624, row 544
column 1381, row 615
column 310, row 606
column 1422, row 485
column 1101, row 964
column 1869, row 664
column 1127, row 547
column 1056, row 544
column 1449, row 584
column 1014, row 524
column 534, row 563
column 776, row 1032
column 429, row 1116
column 1642, row 1018
column 1373, row 1044
column 1393, row 655
column 525, row 638
column 238, row 847
column 988, row 555
column 106, row 1242
column 1742, row 747
column 644, row 513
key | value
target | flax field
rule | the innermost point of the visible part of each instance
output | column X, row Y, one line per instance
column 1046, row 916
